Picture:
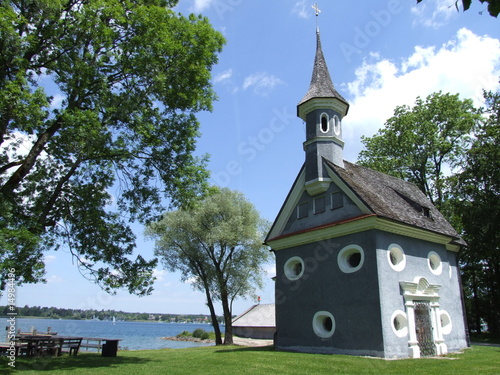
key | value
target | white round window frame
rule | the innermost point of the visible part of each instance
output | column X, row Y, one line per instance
column 288, row 268
column 400, row 256
column 319, row 326
column 445, row 322
column 434, row 258
column 401, row 318
column 343, row 258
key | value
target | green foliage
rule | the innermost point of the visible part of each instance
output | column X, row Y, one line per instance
column 493, row 6
column 77, row 314
column 113, row 142
column 475, row 196
column 217, row 245
column 184, row 334
column 198, row 332
column 244, row 360
column 419, row 143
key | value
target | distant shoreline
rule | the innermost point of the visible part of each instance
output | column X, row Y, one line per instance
column 186, row 338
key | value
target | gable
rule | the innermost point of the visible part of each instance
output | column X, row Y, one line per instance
column 301, row 211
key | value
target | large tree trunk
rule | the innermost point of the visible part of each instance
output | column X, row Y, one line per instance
column 210, row 304
column 213, row 315
column 228, row 319
column 476, row 304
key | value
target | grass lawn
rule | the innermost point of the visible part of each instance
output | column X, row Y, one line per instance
column 233, row 360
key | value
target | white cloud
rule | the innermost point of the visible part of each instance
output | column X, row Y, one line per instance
column 57, row 100
column 54, row 279
column 159, row 274
column 262, row 83
column 433, row 13
column 466, row 65
column 301, row 9
column 192, row 280
column 201, row 5
column 270, row 270
column 224, row 76
column 47, row 259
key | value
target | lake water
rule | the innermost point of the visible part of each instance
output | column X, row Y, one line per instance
column 134, row 335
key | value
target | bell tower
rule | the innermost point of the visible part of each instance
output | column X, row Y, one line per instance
column 322, row 109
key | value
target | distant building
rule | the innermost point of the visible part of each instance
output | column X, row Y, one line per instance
column 365, row 264
column 258, row 322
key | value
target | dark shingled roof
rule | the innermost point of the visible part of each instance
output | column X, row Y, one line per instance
column 394, row 198
column 321, row 83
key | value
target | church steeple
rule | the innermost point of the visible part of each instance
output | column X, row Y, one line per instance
column 322, row 108
column 321, row 85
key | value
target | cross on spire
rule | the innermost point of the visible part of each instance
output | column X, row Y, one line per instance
column 318, row 11
column 315, row 7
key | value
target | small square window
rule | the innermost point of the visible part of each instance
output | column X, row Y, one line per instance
column 337, row 200
column 302, row 210
column 319, row 205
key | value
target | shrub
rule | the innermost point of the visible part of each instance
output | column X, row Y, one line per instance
column 205, row 335
column 198, row 333
column 184, row 334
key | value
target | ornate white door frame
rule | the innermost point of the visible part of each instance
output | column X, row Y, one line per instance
column 420, row 290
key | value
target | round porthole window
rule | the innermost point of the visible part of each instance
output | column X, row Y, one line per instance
column 434, row 262
column 399, row 323
column 445, row 322
column 396, row 257
column 294, row 268
column 351, row 258
column 323, row 324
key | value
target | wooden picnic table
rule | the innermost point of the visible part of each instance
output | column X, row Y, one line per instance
column 37, row 345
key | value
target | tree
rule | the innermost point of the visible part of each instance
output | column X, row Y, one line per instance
column 97, row 129
column 476, row 197
column 493, row 5
column 418, row 144
column 217, row 245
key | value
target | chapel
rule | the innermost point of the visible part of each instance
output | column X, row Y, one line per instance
column 365, row 264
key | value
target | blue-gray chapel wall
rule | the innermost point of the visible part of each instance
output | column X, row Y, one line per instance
column 417, row 265
column 352, row 298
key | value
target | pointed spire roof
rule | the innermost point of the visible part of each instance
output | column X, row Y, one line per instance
column 321, row 83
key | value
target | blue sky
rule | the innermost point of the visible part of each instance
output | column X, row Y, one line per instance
column 380, row 54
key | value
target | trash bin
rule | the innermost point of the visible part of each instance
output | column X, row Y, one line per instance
column 110, row 348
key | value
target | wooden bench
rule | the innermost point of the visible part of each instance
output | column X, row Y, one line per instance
column 43, row 346
column 70, row 345
column 109, row 347
column 7, row 347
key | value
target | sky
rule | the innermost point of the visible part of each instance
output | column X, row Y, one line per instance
column 380, row 54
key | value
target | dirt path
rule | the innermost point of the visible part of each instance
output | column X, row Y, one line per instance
column 251, row 342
